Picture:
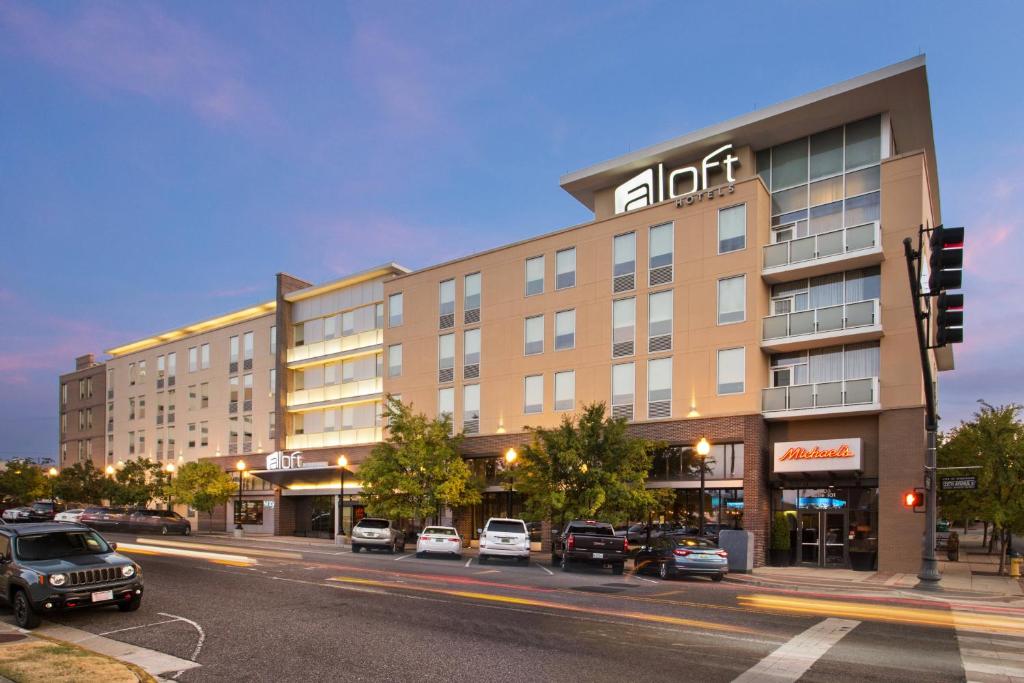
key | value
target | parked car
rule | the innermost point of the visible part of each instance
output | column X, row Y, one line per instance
column 40, row 511
column 158, row 522
column 637, row 534
column 105, row 518
column 439, row 540
column 671, row 556
column 589, row 542
column 502, row 537
column 373, row 532
column 50, row 567
column 72, row 515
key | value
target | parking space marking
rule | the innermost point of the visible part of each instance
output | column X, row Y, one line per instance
column 550, row 573
column 132, row 628
column 643, row 578
column 404, row 556
column 489, row 571
column 470, row 560
column 197, row 627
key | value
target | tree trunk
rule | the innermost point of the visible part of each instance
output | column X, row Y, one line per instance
column 992, row 538
column 984, row 534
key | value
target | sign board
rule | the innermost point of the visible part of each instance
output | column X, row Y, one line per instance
column 284, row 461
column 967, row 482
column 654, row 185
column 826, row 455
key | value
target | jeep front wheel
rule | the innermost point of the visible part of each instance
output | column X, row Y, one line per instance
column 24, row 615
column 131, row 605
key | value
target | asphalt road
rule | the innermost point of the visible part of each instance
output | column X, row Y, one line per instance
column 330, row 615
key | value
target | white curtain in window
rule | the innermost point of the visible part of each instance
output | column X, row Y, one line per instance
column 862, row 360
column 827, row 290
column 862, row 284
column 826, row 364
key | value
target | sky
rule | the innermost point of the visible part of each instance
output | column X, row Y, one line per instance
column 159, row 162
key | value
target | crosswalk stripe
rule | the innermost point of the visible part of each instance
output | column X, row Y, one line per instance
column 990, row 659
column 792, row 660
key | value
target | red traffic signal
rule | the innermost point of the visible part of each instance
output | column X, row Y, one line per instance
column 913, row 499
column 947, row 259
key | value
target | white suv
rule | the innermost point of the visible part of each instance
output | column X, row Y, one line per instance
column 504, row 538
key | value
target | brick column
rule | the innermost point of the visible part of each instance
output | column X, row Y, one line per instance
column 756, row 494
column 901, row 443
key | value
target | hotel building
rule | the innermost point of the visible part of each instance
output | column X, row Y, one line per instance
column 744, row 283
column 81, row 408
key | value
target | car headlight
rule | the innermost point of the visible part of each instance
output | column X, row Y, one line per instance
column 58, row 579
column 128, row 571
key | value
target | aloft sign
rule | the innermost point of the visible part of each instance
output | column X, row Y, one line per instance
column 652, row 185
column 827, row 455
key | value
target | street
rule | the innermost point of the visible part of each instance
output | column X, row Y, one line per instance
column 273, row 612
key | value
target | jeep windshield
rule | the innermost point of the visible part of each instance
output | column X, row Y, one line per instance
column 57, row 544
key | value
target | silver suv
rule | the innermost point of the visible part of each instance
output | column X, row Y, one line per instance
column 373, row 532
column 502, row 537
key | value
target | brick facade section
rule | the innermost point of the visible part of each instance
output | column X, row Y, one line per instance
column 70, row 435
column 901, row 439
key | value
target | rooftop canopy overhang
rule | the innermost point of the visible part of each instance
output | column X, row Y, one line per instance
column 310, row 481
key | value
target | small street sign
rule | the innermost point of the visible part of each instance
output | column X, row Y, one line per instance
column 961, row 483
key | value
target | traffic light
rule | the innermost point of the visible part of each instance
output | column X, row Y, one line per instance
column 949, row 322
column 913, row 499
column 947, row 259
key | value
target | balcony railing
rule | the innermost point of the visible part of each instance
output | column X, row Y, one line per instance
column 336, row 392
column 333, row 346
column 345, row 437
column 840, row 394
column 823, row 245
column 820, row 320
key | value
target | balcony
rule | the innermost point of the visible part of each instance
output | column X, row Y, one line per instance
column 345, row 437
column 331, row 347
column 334, row 393
column 854, row 247
column 849, row 396
column 847, row 323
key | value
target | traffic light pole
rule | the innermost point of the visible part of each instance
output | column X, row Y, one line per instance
column 929, row 572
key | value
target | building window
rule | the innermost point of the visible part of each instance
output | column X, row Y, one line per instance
column 273, row 340
column 732, row 304
column 394, row 360
column 623, row 383
column 193, row 397
column 233, row 393
column 446, row 402
column 660, row 254
column 732, row 229
column 659, row 388
column 191, row 429
column 624, row 262
column 534, row 275
column 446, row 357
column 533, row 394
column 249, row 512
column 471, row 409
column 471, row 354
column 131, row 408
column 247, row 347
column 471, row 298
column 204, row 433
column 565, row 390
column 659, row 322
column 731, row 370
column 88, row 387
column 63, row 394
column 170, row 406
column 247, row 392
column 204, row 395
column 565, row 268
column 160, row 368
column 170, row 442
column 332, row 327
column 565, row 330
column 204, row 356
column 131, row 443
column 623, row 327
column 233, row 346
column 272, row 422
column 131, row 374
column 533, row 332
column 193, row 359
column 172, row 366
column 395, row 310
column 446, row 309
column 142, row 371
column 273, row 381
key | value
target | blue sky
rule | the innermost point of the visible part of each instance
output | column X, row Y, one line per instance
column 160, row 162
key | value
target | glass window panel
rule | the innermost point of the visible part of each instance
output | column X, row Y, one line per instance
column 471, row 347
column 659, row 314
column 247, row 348
column 862, row 209
column 233, row 349
column 764, row 166
column 472, row 293
column 826, row 218
column 446, row 351
column 864, row 283
column 732, row 229
column 565, row 390
column 659, row 379
column 790, row 200
column 623, row 381
column 624, row 248
column 826, row 191
column 623, row 320
column 446, row 401
column 332, row 327
column 864, row 142
column 471, row 402
column 861, row 360
column 394, row 360
column 731, row 371
column 732, row 299
column 864, row 180
column 827, row 153
column 791, row 217
column 447, row 297
column 661, row 245
column 826, row 365
column 826, row 290
column 565, row 268
column 789, row 164
column 533, row 394
column 534, row 335
column 395, row 304
column 534, row 275
column 565, row 330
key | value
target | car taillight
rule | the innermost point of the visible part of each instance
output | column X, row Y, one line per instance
column 570, row 543
column 424, row 538
column 680, row 552
column 722, row 553
column 625, row 544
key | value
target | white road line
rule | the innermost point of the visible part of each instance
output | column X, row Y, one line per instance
column 987, row 657
column 468, row 562
column 643, row 578
column 792, row 660
column 404, row 556
column 132, row 628
column 546, row 569
column 197, row 627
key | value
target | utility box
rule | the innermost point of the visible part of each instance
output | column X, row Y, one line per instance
column 740, row 546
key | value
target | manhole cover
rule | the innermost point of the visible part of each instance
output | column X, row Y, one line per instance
column 597, row 589
column 10, row 637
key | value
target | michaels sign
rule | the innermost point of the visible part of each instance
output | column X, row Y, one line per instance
column 652, row 185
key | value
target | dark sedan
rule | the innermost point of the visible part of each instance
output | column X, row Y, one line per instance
column 672, row 556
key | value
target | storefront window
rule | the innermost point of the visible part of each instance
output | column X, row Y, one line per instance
column 249, row 512
column 678, row 463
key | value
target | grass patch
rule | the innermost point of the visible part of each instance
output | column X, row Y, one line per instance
column 48, row 662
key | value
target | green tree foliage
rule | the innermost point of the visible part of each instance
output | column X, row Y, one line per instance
column 135, row 484
column 417, row 469
column 82, row 483
column 586, row 468
column 203, row 486
column 994, row 439
column 22, row 482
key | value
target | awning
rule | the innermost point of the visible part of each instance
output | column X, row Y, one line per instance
column 310, row 481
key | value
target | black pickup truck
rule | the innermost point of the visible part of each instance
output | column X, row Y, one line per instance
column 591, row 543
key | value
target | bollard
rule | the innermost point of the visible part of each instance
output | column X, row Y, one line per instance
column 1015, row 566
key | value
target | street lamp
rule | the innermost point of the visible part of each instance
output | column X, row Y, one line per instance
column 110, row 470
column 339, row 531
column 240, row 466
column 703, row 448
column 52, row 473
column 169, row 468
column 510, row 459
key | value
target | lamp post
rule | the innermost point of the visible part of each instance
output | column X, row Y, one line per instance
column 510, row 459
column 169, row 468
column 703, row 448
column 52, row 473
column 339, row 519
column 240, row 466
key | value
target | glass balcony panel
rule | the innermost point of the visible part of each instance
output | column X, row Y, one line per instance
column 776, row 326
column 776, row 255
column 801, row 249
column 830, row 243
column 860, row 237
column 860, row 391
column 829, row 394
column 830, row 318
column 801, row 322
column 801, row 396
column 860, row 313
column 773, row 399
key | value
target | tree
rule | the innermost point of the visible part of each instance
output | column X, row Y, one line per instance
column 135, row 484
column 22, row 482
column 82, row 483
column 585, row 468
column 417, row 469
column 203, row 486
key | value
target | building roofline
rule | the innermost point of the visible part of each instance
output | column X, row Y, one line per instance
column 389, row 268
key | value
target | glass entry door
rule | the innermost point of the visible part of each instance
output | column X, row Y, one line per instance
column 823, row 538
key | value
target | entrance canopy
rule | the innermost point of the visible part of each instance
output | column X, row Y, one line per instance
column 310, row 481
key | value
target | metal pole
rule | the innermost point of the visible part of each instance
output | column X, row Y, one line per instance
column 512, row 486
column 700, row 523
column 929, row 563
column 341, row 504
column 238, row 524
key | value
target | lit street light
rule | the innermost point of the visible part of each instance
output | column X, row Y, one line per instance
column 339, row 529
column 240, row 466
column 703, row 448
column 169, row 468
column 52, row 474
column 510, row 459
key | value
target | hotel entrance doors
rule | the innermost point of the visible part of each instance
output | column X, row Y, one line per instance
column 823, row 538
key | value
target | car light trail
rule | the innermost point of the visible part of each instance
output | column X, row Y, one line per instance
column 222, row 558
column 220, row 548
column 892, row 614
column 527, row 602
